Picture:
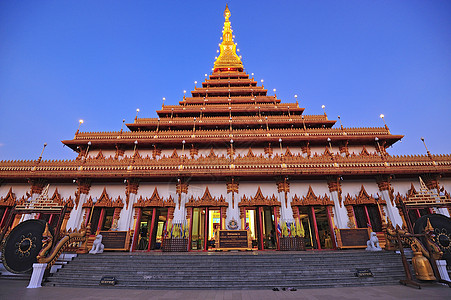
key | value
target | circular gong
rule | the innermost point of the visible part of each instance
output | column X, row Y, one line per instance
column 22, row 246
column 442, row 232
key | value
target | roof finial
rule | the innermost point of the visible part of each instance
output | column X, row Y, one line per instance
column 227, row 13
column 228, row 60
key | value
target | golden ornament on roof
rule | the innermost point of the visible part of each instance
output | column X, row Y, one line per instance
column 228, row 60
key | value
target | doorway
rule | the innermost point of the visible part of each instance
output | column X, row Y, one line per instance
column 260, row 222
column 152, row 225
column 205, row 224
column 317, row 229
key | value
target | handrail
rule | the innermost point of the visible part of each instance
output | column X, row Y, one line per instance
column 76, row 236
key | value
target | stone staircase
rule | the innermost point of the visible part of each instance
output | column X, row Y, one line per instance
column 242, row 270
column 63, row 259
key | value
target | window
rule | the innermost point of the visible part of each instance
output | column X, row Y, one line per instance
column 368, row 215
column 101, row 219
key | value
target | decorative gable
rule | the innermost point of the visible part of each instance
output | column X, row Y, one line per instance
column 9, row 199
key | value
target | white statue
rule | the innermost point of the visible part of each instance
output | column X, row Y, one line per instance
column 373, row 243
column 97, row 246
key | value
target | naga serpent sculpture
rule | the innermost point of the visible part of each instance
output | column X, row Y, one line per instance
column 47, row 241
column 413, row 241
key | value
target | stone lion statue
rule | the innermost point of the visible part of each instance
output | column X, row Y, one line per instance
column 97, row 246
column 373, row 243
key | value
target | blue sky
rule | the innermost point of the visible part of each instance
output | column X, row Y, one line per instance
column 61, row 61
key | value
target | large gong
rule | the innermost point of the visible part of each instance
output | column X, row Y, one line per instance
column 22, row 246
column 442, row 232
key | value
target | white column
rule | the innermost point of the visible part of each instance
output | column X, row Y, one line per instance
column 179, row 211
column 340, row 213
column 286, row 213
column 36, row 276
column 126, row 215
column 76, row 215
column 441, row 265
column 392, row 211
column 233, row 211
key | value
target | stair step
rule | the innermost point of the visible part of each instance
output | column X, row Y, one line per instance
column 248, row 270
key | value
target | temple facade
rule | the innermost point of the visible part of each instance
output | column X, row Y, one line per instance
column 231, row 155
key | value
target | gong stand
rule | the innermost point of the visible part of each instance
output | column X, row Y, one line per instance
column 61, row 212
column 405, row 264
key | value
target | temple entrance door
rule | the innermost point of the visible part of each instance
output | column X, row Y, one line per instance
column 198, row 220
column 317, row 229
column 214, row 224
column 158, row 227
column 260, row 221
column 145, row 228
column 253, row 225
column 268, row 227
column 205, row 223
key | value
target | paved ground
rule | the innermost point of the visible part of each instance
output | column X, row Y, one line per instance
column 16, row 290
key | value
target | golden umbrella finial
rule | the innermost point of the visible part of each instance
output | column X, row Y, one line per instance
column 228, row 60
column 227, row 12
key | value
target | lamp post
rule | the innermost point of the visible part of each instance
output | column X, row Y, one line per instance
column 262, row 83
column 164, row 99
column 231, row 148
column 87, row 150
column 275, row 97
column 137, row 111
column 42, row 152
column 330, row 144
column 122, row 127
column 383, row 120
column 79, row 124
column 184, row 95
column 296, row 98
column 134, row 149
column 324, row 109
column 341, row 125
column 424, row 143
column 280, row 144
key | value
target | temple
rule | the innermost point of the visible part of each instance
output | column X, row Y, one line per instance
column 230, row 156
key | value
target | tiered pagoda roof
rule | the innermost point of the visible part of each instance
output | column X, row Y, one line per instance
column 231, row 107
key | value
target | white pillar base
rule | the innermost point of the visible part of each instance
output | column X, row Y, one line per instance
column 36, row 276
column 441, row 266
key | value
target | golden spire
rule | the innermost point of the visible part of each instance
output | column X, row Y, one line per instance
column 228, row 60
